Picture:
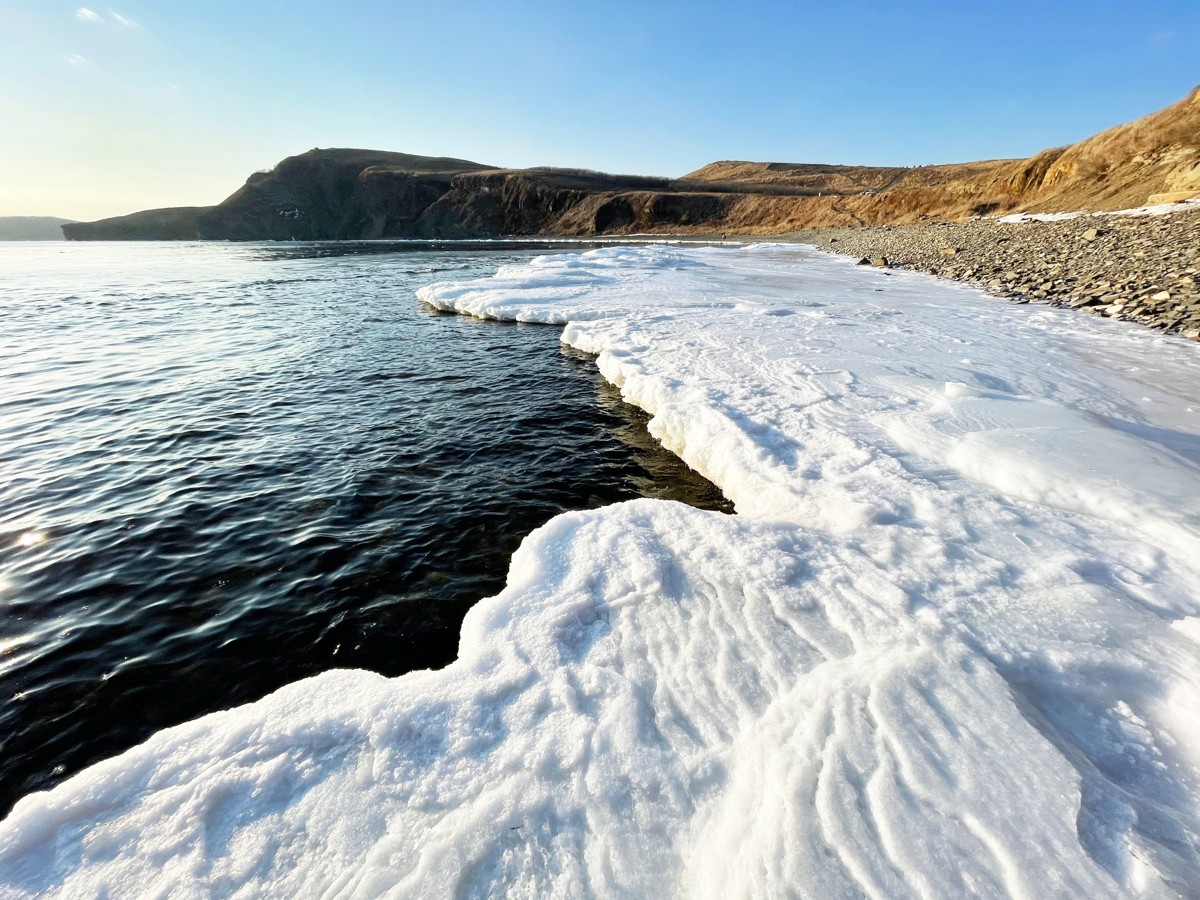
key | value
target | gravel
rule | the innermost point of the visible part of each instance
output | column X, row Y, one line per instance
column 1140, row 268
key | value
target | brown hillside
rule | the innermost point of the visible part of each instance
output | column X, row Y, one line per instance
column 1121, row 167
column 347, row 194
column 814, row 177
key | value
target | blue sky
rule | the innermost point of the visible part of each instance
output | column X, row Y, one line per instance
column 109, row 109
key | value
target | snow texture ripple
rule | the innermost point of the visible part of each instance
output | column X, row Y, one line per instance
column 948, row 647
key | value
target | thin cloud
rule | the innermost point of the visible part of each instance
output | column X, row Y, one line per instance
column 1163, row 37
column 120, row 20
column 79, row 62
column 112, row 17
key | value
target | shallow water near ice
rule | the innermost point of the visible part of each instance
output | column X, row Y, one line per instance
column 225, row 467
column 946, row 648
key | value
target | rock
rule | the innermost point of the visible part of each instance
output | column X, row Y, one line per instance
column 865, row 261
column 1171, row 197
column 1091, row 234
column 879, row 262
column 1161, row 296
column 949, row 251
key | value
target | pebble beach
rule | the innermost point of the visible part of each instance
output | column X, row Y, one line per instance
column 1139, row 267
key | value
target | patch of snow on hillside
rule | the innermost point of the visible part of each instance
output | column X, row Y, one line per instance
column 1157, row 209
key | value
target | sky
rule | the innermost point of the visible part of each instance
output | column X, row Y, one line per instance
column 105, row 110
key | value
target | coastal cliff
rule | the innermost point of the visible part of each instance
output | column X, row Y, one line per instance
column 348, row 194
column 338, row 194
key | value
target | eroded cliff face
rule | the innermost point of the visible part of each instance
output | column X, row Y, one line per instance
column 637, row 212
column 500, row 202
column 344, row 194
column 335, row 194
column 390, row 203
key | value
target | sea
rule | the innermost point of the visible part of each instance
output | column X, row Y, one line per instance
column 225, row 467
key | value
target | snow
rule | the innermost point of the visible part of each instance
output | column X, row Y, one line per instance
column 947, row 647
column 1157, row 209
column 1017, row 218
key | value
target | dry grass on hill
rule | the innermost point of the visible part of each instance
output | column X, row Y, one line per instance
column 1118, row 168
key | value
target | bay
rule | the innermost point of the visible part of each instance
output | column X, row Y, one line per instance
column 224, row 467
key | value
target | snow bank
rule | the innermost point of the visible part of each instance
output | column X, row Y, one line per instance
column 1157, row 209
column 948, row 647
column 1017, row 218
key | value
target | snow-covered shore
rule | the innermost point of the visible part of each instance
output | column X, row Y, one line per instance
column 1140, row 265
column 948, row 647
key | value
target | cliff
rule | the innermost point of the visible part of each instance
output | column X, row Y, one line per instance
column 346, row 194
column 336, row 194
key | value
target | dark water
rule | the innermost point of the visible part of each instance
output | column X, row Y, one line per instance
column 227, row 467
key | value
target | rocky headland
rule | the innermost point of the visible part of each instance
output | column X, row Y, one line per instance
column 348, row 194
column 939, row 219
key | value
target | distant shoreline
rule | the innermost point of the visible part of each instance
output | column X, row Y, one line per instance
column 32, row 228
column 1140, row 268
